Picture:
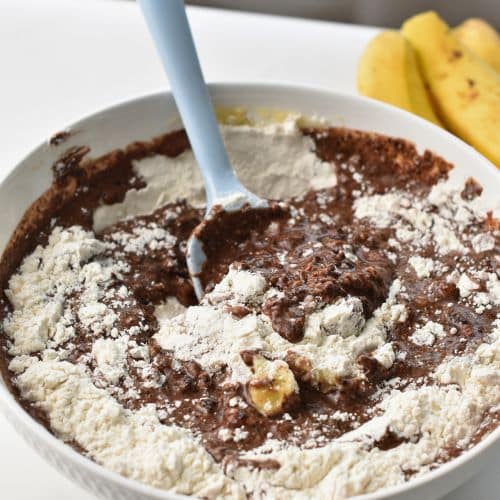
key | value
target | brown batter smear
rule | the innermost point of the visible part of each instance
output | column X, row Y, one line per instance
column 386, row 163
column 309, row 258
column 389, row 440
column 307, row 264
column 472, row 189
column 60, row 137
column 158, row 274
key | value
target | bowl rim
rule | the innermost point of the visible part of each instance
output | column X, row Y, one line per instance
column 14, row 411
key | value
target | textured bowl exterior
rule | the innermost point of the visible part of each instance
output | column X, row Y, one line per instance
column 148, row 116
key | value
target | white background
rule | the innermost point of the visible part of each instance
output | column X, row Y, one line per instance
column 63, row 59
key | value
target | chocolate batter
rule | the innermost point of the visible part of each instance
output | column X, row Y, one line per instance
column 309, row 258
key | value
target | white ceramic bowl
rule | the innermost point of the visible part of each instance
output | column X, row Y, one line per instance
column 149, row 116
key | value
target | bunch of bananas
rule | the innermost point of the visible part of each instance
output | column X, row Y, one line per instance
column 448, row 76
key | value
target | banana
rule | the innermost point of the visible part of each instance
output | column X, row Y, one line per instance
column 232, row 116
column 482, row 39
column 274, row 388
column 321, row 379
column 465, row 90
column 388, row 71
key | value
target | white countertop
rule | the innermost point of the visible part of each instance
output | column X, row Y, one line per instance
column 63, row 59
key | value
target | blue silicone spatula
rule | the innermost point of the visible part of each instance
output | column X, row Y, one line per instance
column 169, row 27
